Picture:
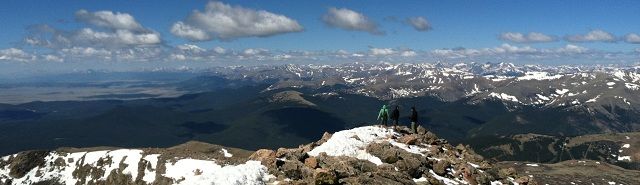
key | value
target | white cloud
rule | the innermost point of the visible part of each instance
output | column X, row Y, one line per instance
column 86, row 52
column 350, row 20
column 572, row 49
column 190, row 48
column 14, row 54
column 53, row 58
column 226, row 22
column 531, row 37
column 118, row 38
column 592, row 36
column 189, row 32
column 408, row 53
column 419, row 23
column 506, row 50
column 219, row 50
column 108, row 19
column 637, row 50
column 381, row 51
column 255, row 51
column 632, row 38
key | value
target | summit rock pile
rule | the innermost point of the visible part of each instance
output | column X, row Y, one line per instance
column 379, row 155
column 362, row 155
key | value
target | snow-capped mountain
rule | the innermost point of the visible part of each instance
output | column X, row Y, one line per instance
column 528, row 85
column 363, row 155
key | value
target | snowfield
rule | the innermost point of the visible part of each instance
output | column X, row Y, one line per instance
column 353, row 143
column 181, row 171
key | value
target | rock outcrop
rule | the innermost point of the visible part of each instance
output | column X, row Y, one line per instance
column 363, row 155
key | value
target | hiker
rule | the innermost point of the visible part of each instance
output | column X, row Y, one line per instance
column 414, row 120
column 395, row 116
column 383, row 115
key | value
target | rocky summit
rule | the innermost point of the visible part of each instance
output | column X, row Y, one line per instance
column 362, row 155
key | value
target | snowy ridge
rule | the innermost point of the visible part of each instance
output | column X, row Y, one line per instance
column 353, row 142
column 363, row 155
column 124, row 165
column 534, row 85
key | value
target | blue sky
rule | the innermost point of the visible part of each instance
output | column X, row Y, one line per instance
column 482, row 31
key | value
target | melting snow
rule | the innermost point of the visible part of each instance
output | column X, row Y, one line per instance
column 183, row 171
column 226, row 153
column 343, row 143
column 562, row 91
column 504, row 96
column 538, row 76
column 593, row 99
column 622, row 158
column 354, row 142
column 632, row 86
column 626, row 146
column 534, row 165
column 611, row 83
column 208, row 172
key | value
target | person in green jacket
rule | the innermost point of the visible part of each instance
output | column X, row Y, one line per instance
column 383, row 116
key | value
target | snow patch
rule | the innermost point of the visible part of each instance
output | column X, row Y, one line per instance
column 353, row 143
column 504, row 96
column 193, row 171
column 561, row 91
column 538, row 75
column 226, row 153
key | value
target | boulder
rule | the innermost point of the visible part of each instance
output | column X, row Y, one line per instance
column 311, row 162
column 525, row 180
column 409, row 139
column 325, row 137
column 507, row 172
column 385, row 151
column 266, row 157
column 292, row 154
column 296, row 170
column 441, row 167
column 380, row 177
column 324, row 176
column 345, row 166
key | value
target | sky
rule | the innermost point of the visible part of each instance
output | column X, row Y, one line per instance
column 47, row 35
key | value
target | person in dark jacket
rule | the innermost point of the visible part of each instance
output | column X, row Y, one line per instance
column 414, row 120
column 383, row 115
column 395, row 116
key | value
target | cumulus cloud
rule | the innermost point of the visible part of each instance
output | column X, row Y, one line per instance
column 531, row 37
column 632, row 38
column 572, row 49
column 226, row 22
column 419, row 23
column 381, row 51
column 15, row 54
column 350, row 20
column 507, row 50
column 106, row 35
column 109, row 30
column 111, row 20
column 592, row 36
column 219, row 50
column 408, row 53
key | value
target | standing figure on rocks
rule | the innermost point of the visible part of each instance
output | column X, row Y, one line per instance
column 395, row 116
column 414, row 120
column 383, row 116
